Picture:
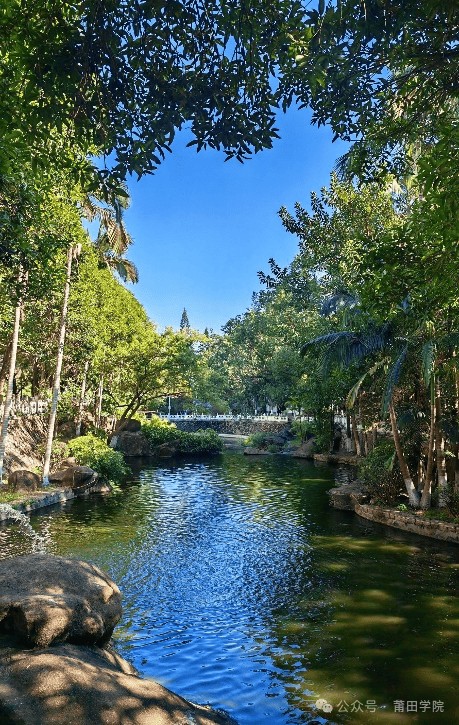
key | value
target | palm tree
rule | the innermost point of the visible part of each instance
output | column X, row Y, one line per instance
column 347, row 346
column 113, row 240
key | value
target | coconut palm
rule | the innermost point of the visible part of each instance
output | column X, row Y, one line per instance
column 113, row 240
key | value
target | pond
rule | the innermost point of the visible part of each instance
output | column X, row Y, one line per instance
column 244, row 590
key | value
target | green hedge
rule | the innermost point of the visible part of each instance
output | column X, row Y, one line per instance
column 95, row 453
column 158, row 431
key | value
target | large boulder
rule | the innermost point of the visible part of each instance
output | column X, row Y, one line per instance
column 131, row 425
column 46, row 599
column 305, row 450
column 73, row 476
column 256, row 451
column 131, row 444
column 23, row 481
column 168, row 449
column 68, row 685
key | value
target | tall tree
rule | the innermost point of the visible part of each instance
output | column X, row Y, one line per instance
column 184, row 321
column 120, row 78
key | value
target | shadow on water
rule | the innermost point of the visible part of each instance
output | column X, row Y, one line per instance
column 242, row 588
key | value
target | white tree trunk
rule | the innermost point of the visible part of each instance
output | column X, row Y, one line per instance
column 81, row 403
column 9, row 393
column 427, row 490
column 442, row 479
column 57, row 375
column 413, row 495
column 100, row 394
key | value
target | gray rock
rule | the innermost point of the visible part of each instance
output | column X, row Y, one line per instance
column 256, row 451
column 305, row 450
column 131, row 425
column 167, row 450
column 73, row 476
column 132, row 444
column 23, row 481
column 70, row 685
column 46, row 599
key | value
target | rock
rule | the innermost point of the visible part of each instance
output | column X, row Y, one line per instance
column 348, row 495
column 132, row 444
column 131, row 425
column 73, row 476
column 69, row 685
column 70, row 461
column 305, row 450
column 46, row 599
column 23, row 480
column 256, row 452
column 167, row 450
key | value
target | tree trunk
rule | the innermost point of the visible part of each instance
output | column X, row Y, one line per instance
column 34, row 384
column 57, row 375
column 22, row 279
column 427, row 490
column 4, row 370
column 100, row 394
column 413, row 495
column 81, row 403
column 355, row 433
column 440, row 448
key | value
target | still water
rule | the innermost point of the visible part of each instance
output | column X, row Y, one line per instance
column 244, row 590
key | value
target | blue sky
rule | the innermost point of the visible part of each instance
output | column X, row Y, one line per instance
column 202, row 228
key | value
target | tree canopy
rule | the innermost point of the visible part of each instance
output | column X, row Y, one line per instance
column 118, row 79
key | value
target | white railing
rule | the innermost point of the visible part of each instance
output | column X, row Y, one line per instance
column 203, row 416
column 339, row 418
column 25, row 406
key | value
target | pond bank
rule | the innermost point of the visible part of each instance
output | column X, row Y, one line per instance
column 351, row 497
column 32, row 501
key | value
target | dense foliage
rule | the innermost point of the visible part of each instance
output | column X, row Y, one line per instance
column 158, row 431
column 365, row 319
column 91, row 451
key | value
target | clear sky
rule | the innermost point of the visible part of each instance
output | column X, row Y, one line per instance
column 203, row 228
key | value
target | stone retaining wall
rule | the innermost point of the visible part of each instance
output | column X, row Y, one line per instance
column 351, row 497
column 39, row 499
column 234, row 427
column 407, row 521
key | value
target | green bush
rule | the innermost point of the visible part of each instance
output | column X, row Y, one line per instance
column 156, row 431
column 257, row 440
column 159, row 431
column 91, row 451
column 203, row 441
column 380, row 474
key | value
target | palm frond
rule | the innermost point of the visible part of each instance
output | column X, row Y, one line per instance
column 392, row 379
column 338, row 301
column 354, row 391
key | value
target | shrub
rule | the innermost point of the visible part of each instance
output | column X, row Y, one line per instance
column 91, row 451
column 380, row 474
column 257, row 440
column 203, row 441
column 156, row 431
column 159, row 431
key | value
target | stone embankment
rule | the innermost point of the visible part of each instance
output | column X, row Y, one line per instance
column 56, row 664
column 232, row 427
column 352, row 497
